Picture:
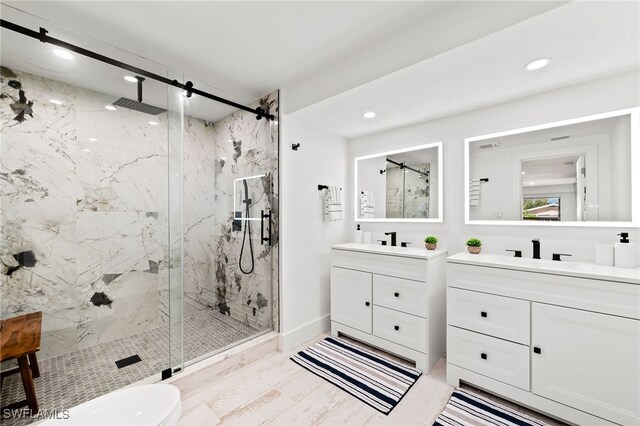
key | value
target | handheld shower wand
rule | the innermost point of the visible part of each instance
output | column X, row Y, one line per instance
column 247, row 228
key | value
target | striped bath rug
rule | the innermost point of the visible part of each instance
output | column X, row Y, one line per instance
column 468, row 408
column 374, row 380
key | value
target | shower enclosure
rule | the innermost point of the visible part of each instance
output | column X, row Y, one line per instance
column 124, row 208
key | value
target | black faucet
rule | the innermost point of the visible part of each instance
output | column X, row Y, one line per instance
column 393, row 238
column 536, row 248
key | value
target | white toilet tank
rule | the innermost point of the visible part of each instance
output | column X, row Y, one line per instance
column 148, row 405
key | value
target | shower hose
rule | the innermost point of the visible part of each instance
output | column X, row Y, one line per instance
column 244, row 235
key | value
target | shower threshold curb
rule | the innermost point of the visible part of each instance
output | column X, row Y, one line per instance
column 199, row 373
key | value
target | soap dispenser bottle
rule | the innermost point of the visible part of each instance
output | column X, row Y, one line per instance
column 358, row 237
column 626, row 253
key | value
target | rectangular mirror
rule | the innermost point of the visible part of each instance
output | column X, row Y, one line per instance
column 579, row 172
column 400, row 186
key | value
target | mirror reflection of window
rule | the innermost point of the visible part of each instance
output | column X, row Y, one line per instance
column 541, row 209
column 553, row 180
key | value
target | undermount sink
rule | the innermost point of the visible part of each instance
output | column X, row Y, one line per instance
column 538, row 262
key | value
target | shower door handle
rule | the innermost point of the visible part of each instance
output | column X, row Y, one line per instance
column 264, row 239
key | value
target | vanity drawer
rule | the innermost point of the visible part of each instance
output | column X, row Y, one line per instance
column 498, row 316
column 398, row 327
column 400, row 294
column 396, row 266
column 501, row 360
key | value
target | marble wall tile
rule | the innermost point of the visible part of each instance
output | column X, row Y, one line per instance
column 243, row 148
column 95, row 214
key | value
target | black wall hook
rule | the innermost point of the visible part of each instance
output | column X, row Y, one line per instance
column 295, row 146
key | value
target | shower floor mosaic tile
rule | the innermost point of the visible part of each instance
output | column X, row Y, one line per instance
column 69, row 379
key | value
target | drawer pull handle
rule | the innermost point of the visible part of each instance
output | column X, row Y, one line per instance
column 483, row 356
column 537, row 350
column 396, row 327
column 367, row 303
column 396, row 294
column 483, row 314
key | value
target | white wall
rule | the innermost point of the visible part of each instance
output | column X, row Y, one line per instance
column 305, row 237
column 607, row 94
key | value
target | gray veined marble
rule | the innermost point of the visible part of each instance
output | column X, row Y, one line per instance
column 243, row 148
column 85, row 190
column 77, row 185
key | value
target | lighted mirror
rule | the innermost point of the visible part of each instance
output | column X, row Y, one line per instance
column 579, row 172
column 400, row 186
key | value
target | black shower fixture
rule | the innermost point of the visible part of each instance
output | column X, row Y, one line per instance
column 188, row 89
column 261, row 112
column 139, row 83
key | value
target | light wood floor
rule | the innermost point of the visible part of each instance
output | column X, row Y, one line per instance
column 276, row 391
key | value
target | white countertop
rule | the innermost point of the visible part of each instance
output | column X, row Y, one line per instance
column 568, row 268
column 418, row 253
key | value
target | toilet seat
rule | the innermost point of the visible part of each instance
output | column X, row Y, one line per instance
column 145, row 405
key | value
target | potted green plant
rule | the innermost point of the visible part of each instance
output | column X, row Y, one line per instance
column 431, row 242
column 474, row 245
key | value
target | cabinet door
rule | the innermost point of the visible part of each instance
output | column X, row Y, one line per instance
column 587, row 360
column 351, row 302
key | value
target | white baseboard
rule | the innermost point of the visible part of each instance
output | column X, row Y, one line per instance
column 302, row 334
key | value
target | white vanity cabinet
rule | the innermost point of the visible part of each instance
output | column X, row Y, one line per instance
column 392, row 298
column 561, row 339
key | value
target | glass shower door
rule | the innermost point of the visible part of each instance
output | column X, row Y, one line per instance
column 85, row 213
column 231, row 223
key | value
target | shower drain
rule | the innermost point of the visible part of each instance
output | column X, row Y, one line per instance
column 128, row 361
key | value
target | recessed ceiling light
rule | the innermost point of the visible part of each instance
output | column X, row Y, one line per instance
column 524, row 173
column 110, row 107
column 93, row 140
column 130, row 78
column 537, row 64
column 153, row 123
column 532, row 183
column 64, row 54
column 55, row 101
column 369, row 114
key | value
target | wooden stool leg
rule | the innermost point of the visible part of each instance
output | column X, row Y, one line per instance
column 27, row 383
column 33, row 363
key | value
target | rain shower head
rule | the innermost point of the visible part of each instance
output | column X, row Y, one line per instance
column 139, row 106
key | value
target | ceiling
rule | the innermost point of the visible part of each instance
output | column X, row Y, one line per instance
column 550, row 171
column 245, row 49
column 585, row 40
